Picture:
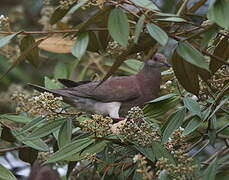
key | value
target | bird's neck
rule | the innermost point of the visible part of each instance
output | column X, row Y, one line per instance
column 151, row 81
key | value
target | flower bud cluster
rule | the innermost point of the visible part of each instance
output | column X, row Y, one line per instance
column 46, row 104
column 98, row 125
column 65, row 4
column 4, row 21
column 114, row 47
column 143, row 168
column 137, row 129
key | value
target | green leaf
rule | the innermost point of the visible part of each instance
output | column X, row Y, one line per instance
column 6, row 174
column 163, row 176
column 16, row 118
column 186, row 74
column 65, row 133
column 91, row 149
column 57, row 15
column 160, row 151
column 174, row 122
column 162, row 98
column 6, row 39
column 45, row 129
column 172, row 19
column 139, row 27
column 210, row 172
column 61, row 71
column 33, row 55
column 192, row 106
column 77, row 6
column 217, row 13
column 160, row 106
column 118, row 26
column 191, row 55
column 134, row 64
column 146, row 4
column 33, row 123
column 70, row 149
column 157, row 33
column 147, row 152
column 51, row 84
column 193, row 124
column 80, row 46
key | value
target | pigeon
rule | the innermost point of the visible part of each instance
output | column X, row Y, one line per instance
column 117, row 95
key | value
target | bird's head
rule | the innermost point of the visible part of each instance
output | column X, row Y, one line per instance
column 157, row 61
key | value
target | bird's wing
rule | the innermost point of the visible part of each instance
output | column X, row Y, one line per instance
column 118, row 89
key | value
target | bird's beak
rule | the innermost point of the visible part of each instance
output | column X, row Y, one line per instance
column 166, row 64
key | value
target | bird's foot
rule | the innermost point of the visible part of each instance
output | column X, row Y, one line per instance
column 118, row 119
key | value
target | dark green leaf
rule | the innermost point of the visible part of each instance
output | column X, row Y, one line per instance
column 186, row 74
column 33, row 55
column 70, row 149
column 210, row 172
column 192, row 106
column 37, row 144
column 217, row 13
column 222, row 51
column 16, row 118
column 174, row 122
column 80, row 46
column 163, row 176
column 6, row 174
column 65, row 133
column 160, row 151
column 158, row 34
column 58, row 14
column 6, row 39
column 146, row 4
column 191, row 55
column 193, row 124
column 162, row 98
column 147, row 151
column 45, row 129
column 139, row 27
column 91, row 149
column 28, row 154
column 77, row 6
column 118, row 26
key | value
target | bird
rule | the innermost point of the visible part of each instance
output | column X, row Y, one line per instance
column 117, row 95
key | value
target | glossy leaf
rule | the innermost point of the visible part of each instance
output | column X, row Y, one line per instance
column 80, row 46
column 6, row 174
column 61, row 71
column 65, row 133
column 191, row 55
column 16, row 118
column 79, row 4
column 147, row 4
column 57, row 15
column 70, row 149
column 172, row 19
column 174, row 122
column 192, row 106
column 222, row 51
column 139, row 28
column 45, row 129
column 193, row 124
column 33, row 123
column 33, row 54
column 157, row 33
column 6, row 39
column 118, row 26
column 162, row 98
column 218, row 11
column 210, row 172
column 186, row 74
column 37, row 144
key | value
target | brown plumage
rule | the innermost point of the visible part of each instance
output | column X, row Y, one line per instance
column 116, row 95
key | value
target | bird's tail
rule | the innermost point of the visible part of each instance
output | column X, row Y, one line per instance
column 56, row 92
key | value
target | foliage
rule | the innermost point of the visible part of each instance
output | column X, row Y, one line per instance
column 183, row 134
